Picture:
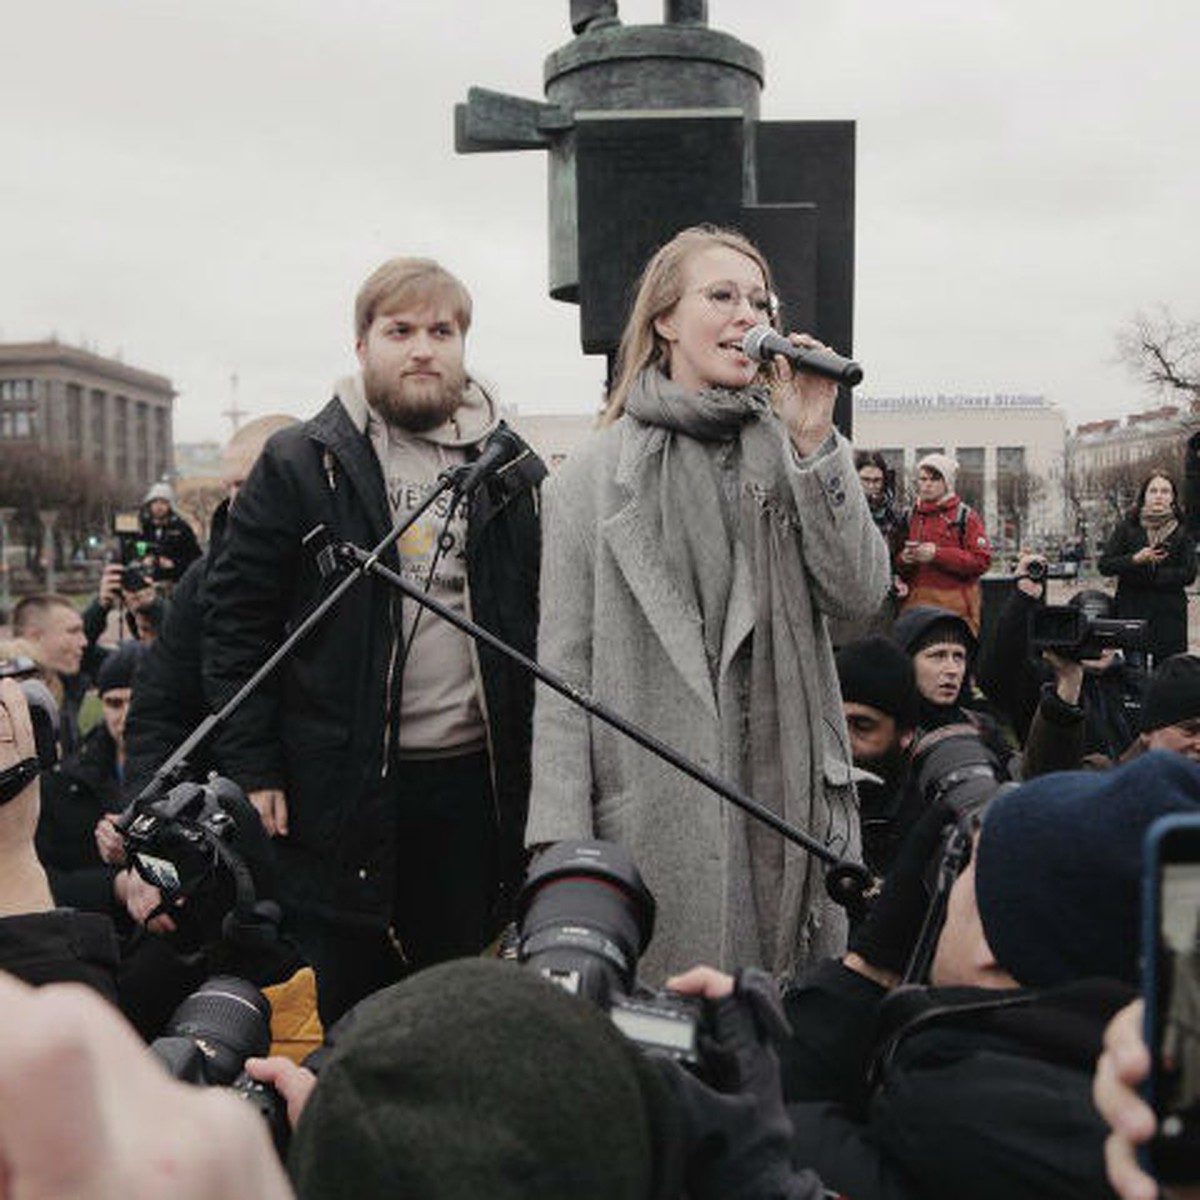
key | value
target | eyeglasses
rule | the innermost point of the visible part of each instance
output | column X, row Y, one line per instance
column 727, row 297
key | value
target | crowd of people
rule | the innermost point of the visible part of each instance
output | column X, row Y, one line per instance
column 718, row 565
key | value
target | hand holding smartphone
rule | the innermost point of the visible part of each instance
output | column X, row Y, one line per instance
column 1171, row 990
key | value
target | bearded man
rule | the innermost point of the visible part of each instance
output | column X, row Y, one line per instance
column 388, row 755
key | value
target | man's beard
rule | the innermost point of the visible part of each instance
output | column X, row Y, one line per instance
column 414, row 405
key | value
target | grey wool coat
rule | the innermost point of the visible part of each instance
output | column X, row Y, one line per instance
column 615, row 625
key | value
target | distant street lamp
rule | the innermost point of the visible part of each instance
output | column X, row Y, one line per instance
column 48, row 517
column 6, row 515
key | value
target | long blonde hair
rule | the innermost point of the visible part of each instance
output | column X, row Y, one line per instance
column 659, row 290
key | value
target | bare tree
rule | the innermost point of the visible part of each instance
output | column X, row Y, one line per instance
column 1163, row 352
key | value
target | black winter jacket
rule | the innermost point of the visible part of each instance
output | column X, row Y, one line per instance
column 168, row 702
column 1152, row 592
column 941, row 1093
column 322, row 724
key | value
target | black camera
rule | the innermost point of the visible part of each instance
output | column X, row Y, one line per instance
column 176, row 844
column 585, row 916
column 1039, row 570
column 209, row 1037
column 134, row 552
column 43, row 711
column 1075, row 633
column 954, row 765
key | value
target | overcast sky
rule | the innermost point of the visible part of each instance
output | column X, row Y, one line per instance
column 201, row 186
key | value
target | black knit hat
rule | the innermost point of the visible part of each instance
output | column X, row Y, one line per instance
column 875, row 671
column 116, row 671
column 1173, row 693
column 1058, row 871
column 924, row 625
column 477, row 1078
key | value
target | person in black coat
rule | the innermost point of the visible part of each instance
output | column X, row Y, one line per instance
column 388, row 754
column 171, row 546
column 169, row 702
column 980, row 1084
column 1154, row 559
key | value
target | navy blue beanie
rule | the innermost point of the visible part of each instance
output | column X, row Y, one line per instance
column 116, row 671
column 1059, row 866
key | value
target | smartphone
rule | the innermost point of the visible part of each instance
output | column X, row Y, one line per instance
column 1171, row 990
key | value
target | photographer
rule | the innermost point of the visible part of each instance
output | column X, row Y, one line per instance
column 1015, row 678
column 980, row 1085
column 172, row 544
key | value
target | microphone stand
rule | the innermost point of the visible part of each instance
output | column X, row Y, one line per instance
column 846, row 882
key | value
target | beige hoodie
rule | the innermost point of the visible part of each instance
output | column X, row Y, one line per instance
column 440, row 708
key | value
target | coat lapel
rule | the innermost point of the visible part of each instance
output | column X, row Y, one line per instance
column 674, row 618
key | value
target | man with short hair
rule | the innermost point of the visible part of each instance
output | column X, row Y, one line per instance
column 53, row 624
column 388, row 755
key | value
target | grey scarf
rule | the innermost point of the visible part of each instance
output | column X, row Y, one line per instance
column 730, row 548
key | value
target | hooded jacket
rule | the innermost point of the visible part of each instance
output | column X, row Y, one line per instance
column 323, row 725
column 962, row 554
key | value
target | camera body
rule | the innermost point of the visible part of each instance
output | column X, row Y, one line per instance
column 1074, row 633
column 585, row 916
column 173, row 842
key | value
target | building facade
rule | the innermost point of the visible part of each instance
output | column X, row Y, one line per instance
column 1011, row 451
column 99, row 410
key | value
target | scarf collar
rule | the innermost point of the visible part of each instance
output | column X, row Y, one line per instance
column 709, row 415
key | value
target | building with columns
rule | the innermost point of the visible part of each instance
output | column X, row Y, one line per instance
column 99, row 410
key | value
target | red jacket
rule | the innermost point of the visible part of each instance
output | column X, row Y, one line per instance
column 963, row 554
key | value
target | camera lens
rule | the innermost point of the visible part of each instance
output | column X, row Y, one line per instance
column 585, row 917
column 230, row 1020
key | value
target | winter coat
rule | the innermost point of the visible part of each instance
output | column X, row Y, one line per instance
column 75, row 795
column 172, row 538
column 168, row 702
column 616, row 626
column 963, row 553
column 979, row 1092
column 1152, row 592
column 322, row 727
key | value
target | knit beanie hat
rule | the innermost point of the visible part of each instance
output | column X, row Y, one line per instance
column 116, row 671
column 159, row 491
column 1058, row 868
column 477, row 1078
column 944, row 465
column 877, row 672
column 1173, row 693
column 923, row 625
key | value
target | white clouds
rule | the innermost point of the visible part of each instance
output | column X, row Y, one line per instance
column 204, row 185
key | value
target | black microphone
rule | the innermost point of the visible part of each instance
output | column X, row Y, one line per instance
column 761, row 343
column 499, row 449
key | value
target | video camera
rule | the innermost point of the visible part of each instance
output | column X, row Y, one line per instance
column 1039, row 570
column 209, row 1037
column 1077, row 634
column 585, row 917
column 134, row 552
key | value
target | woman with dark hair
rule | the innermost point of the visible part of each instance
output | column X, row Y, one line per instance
column 693, row 551
column 1154, row 559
